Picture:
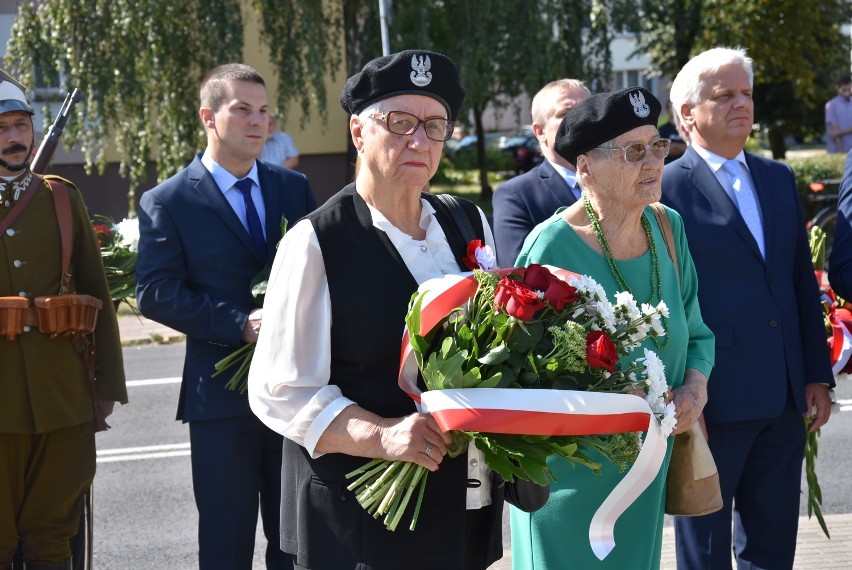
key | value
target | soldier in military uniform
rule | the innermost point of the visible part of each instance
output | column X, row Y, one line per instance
column 47, row 438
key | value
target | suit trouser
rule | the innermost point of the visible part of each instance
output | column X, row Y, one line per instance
column 42, row 480
column 760, row 470
column 236, row 466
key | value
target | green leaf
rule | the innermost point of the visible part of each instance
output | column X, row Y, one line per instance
column 496, row 355
column 495, row 381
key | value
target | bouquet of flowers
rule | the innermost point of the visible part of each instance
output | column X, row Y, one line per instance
column 119, row 243
column 836, row 311
column 524, row 328
column 838, row 327
column 241, row 358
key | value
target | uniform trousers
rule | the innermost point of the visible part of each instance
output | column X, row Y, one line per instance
column 43, row 478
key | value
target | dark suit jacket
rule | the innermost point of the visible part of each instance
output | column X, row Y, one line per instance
column 196, row 262
column 766, row 316
column 840, row 260
column 523, row 202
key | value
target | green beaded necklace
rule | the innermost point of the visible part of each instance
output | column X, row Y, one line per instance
column 656, row 282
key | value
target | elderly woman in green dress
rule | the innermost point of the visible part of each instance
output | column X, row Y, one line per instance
column 612, row 235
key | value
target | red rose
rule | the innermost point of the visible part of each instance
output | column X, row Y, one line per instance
column 537, row 277
column 517, row 300
column 470, row 260
column 559, row 294
column 556, row 292
column 103, row 233
column 600, row 351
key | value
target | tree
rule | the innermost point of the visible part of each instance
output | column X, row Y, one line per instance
column 797, row 46
column 140, row 63
column 504, row 48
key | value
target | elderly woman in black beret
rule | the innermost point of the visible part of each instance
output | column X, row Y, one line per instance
column 612, row 235
column 325, row 370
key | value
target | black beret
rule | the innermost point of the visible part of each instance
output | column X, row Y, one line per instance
column 602, row 117
column 409, row 72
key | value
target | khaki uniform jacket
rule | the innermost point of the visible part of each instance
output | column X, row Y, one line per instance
column 43, row 382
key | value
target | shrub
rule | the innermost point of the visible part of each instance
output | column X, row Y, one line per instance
column 818, row 167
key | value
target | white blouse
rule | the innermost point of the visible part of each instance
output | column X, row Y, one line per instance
column 289, row 386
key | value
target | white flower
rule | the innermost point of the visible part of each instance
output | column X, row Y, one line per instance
column 626, row 300
column 668, row 421
column 127, row 231
column 485, row 257
column 663, row 309
column 586, row 287
column 606, row 316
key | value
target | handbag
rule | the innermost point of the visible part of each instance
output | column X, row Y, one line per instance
column 692, row 481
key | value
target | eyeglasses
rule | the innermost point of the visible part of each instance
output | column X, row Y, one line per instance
column 636, row 151
column 402, row 123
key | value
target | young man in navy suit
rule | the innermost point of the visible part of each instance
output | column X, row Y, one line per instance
column 204, row 235
column 525, row 201
column 758, row 294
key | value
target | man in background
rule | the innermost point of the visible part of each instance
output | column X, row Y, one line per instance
column 669, row 130
column 205, row 233
column 838, row 118
column 527, row 200
column 279, row 148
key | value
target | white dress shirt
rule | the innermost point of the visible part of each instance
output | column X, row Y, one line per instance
column 289, row 386
column 225, row 181
column 570, row 178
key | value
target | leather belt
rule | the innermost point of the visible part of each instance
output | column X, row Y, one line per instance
column 31, row 317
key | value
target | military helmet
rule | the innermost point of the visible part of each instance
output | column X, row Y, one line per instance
column 12, row 97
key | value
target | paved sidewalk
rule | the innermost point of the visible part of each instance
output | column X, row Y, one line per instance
column 813, row 549
column 136, row 329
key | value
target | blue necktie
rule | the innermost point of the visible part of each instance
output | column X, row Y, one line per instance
column 745, row 200
column 253, row 220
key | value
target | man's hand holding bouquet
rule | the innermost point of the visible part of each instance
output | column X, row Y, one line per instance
column 527, row 363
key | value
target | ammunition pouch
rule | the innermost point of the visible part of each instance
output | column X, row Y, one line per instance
column 53, row 315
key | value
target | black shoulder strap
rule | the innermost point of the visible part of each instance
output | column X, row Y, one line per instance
column 460, row 221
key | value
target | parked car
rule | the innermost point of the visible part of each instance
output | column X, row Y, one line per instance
column 463, row 153
column 524, row 149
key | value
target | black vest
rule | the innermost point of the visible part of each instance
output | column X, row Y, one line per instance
column 322, row 523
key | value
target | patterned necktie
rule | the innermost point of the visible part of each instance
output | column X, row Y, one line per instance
column 745, row 200
column 253, row 220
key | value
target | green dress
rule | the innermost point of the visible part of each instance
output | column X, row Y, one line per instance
column 556, row 537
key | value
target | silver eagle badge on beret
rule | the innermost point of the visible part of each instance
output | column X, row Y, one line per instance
column 640, row 107
column 420, row 74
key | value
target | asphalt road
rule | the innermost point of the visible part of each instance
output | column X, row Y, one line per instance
column 144, row 509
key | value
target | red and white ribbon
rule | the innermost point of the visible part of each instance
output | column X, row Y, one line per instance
column 841, row 343
column 538, row 412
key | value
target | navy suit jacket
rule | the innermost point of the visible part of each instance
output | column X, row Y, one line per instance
column 766, row 315
column 523, row 202
column 195, row 266
column 840, row 260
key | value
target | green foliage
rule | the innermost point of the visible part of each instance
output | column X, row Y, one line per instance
column 496, row 159
column 818, row 167
column 140, row 64
column 797, row 46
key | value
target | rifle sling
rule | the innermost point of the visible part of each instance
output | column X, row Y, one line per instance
column 62, row 205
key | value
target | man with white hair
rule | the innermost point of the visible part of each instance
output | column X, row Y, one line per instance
column 758, row 294
column 527, row 200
